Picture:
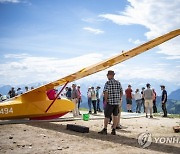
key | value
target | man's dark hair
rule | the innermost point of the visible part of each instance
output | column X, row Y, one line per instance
column 148, row 85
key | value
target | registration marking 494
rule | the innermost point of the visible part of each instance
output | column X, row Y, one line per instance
column 6, row 110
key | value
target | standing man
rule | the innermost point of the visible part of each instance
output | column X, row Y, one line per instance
column 129, row 98
column 148, row 97
column 142, row 95
column 98, row 99
column 26, row 89
column 74, row 97
column 164, row 100
column 12, row 93
column 112, row 97
column 154, row 101
column 137, row 97
column 68, row 93
column 89, row 99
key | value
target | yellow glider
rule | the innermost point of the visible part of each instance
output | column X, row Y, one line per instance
column 35, row 104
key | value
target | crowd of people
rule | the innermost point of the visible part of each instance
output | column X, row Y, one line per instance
column 139, row 98
column 94, row 99
column 146, row 99
column 12, row 93
column 73, row 93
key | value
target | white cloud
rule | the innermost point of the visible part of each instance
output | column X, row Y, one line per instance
column 93, row 30
column 159, row 17
column 156, row 73
column 19, row 56
column 135, row 41
column 92, row 20
column 31, row 69
column 9, row 1
column 171, row 48
column 161, row 64
column 172, row 57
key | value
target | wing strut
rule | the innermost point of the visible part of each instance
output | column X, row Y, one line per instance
column 57, row 96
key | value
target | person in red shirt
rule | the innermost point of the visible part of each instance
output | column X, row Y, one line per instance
column 51, row 94
column 128, row 93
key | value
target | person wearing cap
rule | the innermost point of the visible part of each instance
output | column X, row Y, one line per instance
column 98, row 99
column 148, row 97
column 112, row 96
column 128, row 93
column 164, row 100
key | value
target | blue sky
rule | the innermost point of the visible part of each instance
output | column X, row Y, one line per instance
column 43, row 40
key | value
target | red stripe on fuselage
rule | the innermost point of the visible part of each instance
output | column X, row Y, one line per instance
column 49, row 117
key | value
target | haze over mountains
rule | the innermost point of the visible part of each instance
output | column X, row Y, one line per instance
column 173, row 89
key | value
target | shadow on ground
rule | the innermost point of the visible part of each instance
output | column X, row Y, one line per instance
column 124, row 140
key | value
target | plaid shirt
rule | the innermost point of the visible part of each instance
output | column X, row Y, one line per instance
column 113, row 88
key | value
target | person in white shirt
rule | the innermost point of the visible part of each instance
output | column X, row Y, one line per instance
column 94, row 99
column 3, row 98
column 138, row 99
column 148, row 97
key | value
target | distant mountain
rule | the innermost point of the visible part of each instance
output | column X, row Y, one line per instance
column 5, row 89
column 175, row 95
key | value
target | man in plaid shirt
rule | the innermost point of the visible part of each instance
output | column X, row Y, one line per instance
column 112, row 95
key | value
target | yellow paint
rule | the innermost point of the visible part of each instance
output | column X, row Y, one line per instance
column 33, row 104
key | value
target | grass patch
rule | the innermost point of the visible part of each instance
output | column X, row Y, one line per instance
column 83, row 109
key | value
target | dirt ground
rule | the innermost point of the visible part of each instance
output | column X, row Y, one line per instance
column 53, row 137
